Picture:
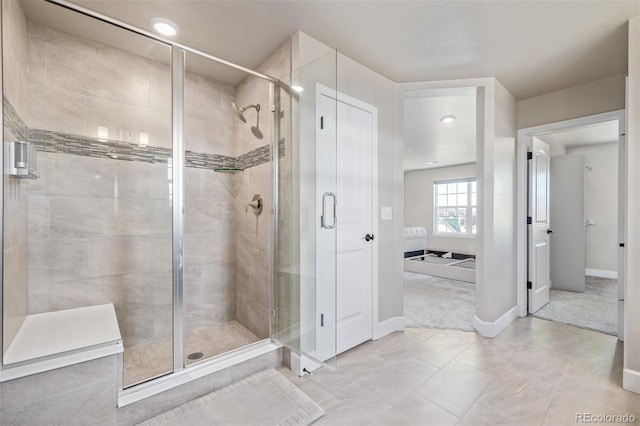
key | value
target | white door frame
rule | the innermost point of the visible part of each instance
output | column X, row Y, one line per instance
column 524, row 138
column 485, row 137
column 342, row 97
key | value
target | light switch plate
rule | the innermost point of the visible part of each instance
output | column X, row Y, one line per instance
column 386, row 213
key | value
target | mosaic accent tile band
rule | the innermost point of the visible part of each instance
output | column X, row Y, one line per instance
column 12, row 120
column 66, row 143
column 200, row 160
column 253, row 158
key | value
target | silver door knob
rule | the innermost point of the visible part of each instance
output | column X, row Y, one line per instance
column 368, row 237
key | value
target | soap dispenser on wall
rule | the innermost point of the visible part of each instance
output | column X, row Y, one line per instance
column 20, row 160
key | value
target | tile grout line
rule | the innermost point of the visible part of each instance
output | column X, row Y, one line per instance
column 557, row 385
column 473, row 368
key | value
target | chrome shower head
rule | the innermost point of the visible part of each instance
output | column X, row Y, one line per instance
column 239, row 112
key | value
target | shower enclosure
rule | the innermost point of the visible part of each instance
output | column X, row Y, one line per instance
column 165, row 182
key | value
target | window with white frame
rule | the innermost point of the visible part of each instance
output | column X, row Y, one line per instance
column 454, row 207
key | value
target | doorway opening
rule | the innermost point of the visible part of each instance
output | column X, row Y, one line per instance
column 575, row 222
column 441, row 209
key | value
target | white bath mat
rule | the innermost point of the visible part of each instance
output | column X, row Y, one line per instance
column 265, row 398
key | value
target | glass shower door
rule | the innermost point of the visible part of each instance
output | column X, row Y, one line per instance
column 227, row 199
column 304, row 281
column 93, row 226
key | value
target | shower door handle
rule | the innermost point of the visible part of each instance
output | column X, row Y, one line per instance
column 323, row 220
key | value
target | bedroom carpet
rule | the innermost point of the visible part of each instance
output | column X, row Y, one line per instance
column 595, row 309
column 434, row 302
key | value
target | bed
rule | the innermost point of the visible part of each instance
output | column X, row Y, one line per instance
column 419, row 259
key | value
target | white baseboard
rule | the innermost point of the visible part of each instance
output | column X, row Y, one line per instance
column 631, row 380
column 492, row 329
column 388, row 326
column 601, row 273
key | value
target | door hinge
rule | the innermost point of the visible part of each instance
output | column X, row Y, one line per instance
column 621, row 244
column 321, row 123
column 529, row 285
column 321, row 320
column 529, row 220
column 529, row 155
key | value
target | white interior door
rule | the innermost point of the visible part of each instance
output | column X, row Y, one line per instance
column 355, row 216
column 539, row 228
column 355, row 123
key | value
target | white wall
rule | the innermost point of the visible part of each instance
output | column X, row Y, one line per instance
column 631, row 377
column 496, row 301
column 578, row 101
column 362, row 83
column 567, row 246
column 418, row 205
column 601, row 205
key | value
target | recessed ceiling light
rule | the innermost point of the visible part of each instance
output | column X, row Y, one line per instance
column 448, row 119
column 408, row 149
column 164, row 27
column 298, row 89
column 431, row 163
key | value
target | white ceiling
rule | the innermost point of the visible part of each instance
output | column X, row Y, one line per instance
column 428, row 140
column 67, row 21
column 593, row 134
column 532, row 47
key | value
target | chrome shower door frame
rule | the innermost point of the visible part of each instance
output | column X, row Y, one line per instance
column 177, row 161
column 177, row 194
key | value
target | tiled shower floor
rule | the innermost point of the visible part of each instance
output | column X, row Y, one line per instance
column 144, row 362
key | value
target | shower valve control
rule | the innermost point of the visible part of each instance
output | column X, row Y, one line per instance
column 256, row 204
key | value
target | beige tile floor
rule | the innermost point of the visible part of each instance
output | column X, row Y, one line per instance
column 535, row 372
column 144, row 362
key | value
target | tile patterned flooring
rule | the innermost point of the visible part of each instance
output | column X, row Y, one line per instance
column 536, row 372
column 144, row 362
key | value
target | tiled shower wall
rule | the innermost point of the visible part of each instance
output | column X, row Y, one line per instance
column 209, row 279
column 99, row 228
column 14, row 50
column 89, row 246
column 76, row 85
column 252, row 234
